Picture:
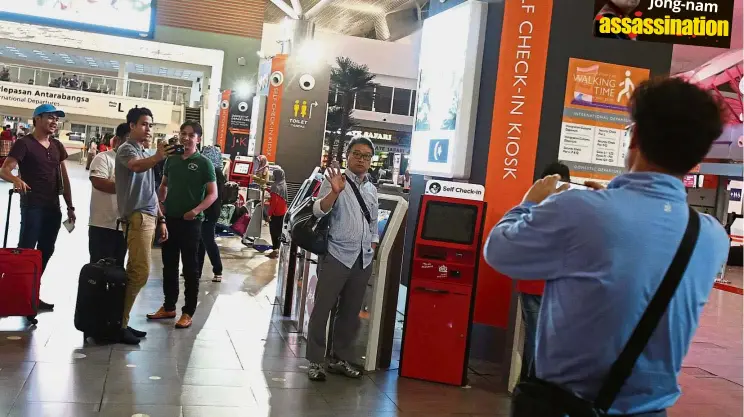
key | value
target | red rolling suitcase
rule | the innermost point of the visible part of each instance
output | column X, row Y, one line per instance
column 20, row 278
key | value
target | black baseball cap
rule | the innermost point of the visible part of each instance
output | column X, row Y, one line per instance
column 122, row 131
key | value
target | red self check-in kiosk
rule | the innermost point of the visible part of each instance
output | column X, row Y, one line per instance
column 241, row 170
column 441, row 290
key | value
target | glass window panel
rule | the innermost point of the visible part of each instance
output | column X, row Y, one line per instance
column 332, row 97
column 383, row 99
column 364, row 100
column 402, row 101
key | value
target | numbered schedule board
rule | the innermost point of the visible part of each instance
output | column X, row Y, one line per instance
column 595, row 118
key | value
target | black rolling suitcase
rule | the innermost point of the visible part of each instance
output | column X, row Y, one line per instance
column 100, row 299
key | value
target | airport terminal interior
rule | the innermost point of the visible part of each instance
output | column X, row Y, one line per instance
column 288, row 83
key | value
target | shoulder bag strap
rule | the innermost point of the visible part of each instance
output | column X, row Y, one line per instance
column 359, row 198
column 623, row 366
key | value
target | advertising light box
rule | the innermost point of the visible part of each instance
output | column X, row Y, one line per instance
column 446, row 103
column 118, row 17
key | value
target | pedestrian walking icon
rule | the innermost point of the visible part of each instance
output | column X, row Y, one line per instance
column 628, row 87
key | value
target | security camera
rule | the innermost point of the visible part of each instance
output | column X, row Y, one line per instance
column 307, row 82
column 276, row 79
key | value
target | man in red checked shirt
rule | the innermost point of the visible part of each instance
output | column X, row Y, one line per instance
column 531, row 292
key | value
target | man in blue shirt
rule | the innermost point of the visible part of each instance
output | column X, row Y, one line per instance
column 604, row 253
column 343, row 273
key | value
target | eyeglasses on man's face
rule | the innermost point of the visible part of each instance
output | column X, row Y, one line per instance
column 362, row 156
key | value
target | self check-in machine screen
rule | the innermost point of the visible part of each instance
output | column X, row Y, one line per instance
column 382, row 221
column 448, row 222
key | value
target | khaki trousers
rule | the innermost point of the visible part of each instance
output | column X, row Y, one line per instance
column 139, row 244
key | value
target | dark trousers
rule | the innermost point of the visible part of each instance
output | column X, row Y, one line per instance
column 208, row 246
column 530, row 313
column 275, row 228
column 183, row 242
column 106, row 243
column 39, row 229
column 345, row 286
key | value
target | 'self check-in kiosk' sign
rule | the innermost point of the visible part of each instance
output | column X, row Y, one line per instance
column 451, row 189
column 441, row 290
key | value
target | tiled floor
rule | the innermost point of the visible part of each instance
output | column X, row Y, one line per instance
column 734, row 276
column 238, row 359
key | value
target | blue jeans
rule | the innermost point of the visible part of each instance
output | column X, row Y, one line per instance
column 39, row 229
column 530, row 313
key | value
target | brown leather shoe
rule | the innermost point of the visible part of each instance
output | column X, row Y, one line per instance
column 161, row 314
column 184, row 322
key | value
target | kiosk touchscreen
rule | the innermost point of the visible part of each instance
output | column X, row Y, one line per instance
column 373, row 347
column 288, row 252
column 241, row 170
column 441, row 291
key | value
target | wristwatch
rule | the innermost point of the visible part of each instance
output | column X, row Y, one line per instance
column 70, row 208
column 161, row 220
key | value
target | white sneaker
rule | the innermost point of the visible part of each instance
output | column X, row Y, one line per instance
column 344, row 368
column 316, row 372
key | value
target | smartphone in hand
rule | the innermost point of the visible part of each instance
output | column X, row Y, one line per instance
column 573, row 186
column 69, row 225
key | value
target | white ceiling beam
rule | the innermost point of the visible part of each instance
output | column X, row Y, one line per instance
column 297, row 7
column 316, row 9
column 286, row 9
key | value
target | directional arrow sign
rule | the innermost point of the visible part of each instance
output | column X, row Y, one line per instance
column 313, row 104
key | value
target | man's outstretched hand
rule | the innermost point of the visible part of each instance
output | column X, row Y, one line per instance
column 544, row 188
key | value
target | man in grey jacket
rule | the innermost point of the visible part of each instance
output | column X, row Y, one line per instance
column 344, row 272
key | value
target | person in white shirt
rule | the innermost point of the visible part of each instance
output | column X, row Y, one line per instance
column 105, row 237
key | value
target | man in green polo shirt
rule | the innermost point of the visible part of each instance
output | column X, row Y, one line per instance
column 189, row 187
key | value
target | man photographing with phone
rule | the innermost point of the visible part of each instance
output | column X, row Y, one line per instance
column 604, row 255
column 138, row 205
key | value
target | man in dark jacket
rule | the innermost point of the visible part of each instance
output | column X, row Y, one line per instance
column 208, row 244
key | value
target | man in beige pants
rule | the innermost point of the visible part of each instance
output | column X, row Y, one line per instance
column 138, row 204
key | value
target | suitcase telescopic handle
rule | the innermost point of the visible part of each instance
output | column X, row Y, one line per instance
column 7, row 218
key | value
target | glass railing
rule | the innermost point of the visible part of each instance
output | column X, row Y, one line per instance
column 101, row 84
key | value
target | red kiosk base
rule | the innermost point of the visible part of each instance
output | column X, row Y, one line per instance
column 441, row 291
